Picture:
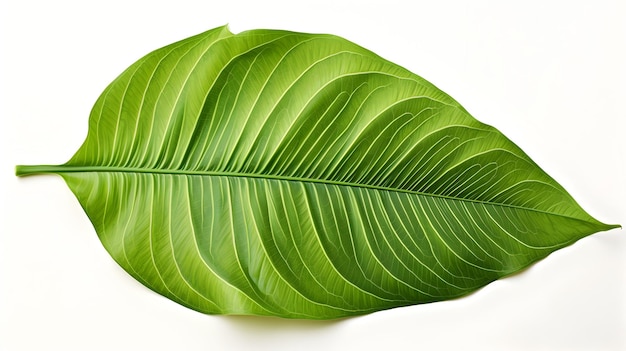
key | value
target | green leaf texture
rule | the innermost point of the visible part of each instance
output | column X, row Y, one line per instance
column 302, row 176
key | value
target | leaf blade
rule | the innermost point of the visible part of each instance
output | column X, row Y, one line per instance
column 305, row 177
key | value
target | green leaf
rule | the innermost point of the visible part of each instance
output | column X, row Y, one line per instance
column 302, row 176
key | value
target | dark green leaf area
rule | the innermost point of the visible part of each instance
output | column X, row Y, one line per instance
column 308, row 250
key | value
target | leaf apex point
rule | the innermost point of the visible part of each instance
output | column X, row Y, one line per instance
column 608, row 227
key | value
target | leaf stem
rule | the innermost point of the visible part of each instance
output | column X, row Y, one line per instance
column 22, row 170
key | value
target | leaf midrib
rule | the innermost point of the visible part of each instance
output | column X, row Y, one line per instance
column 25, row 170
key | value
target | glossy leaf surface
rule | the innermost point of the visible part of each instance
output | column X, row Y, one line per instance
column 302, row 176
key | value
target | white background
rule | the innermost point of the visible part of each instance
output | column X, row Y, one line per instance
column 551, row 75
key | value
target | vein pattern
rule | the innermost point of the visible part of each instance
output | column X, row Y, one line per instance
column 302, row 176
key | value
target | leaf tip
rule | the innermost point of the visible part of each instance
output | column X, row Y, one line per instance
column 607, row 227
